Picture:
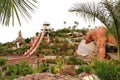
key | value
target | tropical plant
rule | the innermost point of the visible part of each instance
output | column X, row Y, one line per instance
column 24, row 68
column 64, row 23
column 27, row 40
column 37, row 33
column 22, row 49
column 86, row 68
column 0, row 73
column 106, row 70
column 21, row 69
column 3, row 61
column 10, row 10
column 106, row 11
column 68, row 71
column 12, row 70
column 75, row 61
column 79, row 70
column 42, row 67
column 72, row 60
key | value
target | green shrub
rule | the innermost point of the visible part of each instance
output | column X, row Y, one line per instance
column 52, row 47
column 51, row 69
column 20, row 69
column 72, row 60
column 12, row 70
column 42, row 67
column 79, row 61
column 79, row 70
column 24, row 68
column 4, row 68
column 0, row 73
column 77, row 39
column 70, row 51
column 12, row 77
column 52, row 61
column 3, row 61
column 106, row 70
column 75, row 61
column 86, row 68
column 68, row 71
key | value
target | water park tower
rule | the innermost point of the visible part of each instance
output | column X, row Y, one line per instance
column 46, row 27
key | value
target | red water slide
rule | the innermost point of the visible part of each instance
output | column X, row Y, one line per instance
column 35, row 44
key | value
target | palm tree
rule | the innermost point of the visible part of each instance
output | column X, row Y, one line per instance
column 106, row 11
column 64, row 23
column 10, row 9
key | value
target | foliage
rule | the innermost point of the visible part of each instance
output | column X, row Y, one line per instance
column 106, row 11
column 7, row 48
column 4, row 68
column 20, row 69
column 68, row 71
column 42, row 67
column 51, row 69
column 3, row 50
column 3, row 61
column 10, row 51
column 24, row 69
column 86, row 68
column 12, row 70
column 52, row 47
column 22, row 49
column 37, row 33
column 106, row 70
column 74, row 61
column 59, row 65
column 83, row 31
column 9, row 9
column 77, row 39
column 27, row 40
column 52, row 34
column 9, row 45
column 51, row 61
column 9, row 77
column 79, row 70
column 56, row 69
column 83, row 68
column 0, row 73
column 63, row 32
column 59, row 46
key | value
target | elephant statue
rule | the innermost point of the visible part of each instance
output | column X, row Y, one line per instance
column 101, row 38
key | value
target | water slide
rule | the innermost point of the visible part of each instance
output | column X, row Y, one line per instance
column 35, row 44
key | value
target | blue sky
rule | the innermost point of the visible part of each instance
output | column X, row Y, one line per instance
column 53, row 11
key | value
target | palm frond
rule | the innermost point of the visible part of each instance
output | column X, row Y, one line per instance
column 11, row 8
column 108, row 12
column 103, row 11
column 89, row 11
column 86, row 10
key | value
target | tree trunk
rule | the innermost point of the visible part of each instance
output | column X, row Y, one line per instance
column 118, row 51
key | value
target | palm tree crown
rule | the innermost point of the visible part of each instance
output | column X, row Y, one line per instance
column 11, row 8
column 107, row 11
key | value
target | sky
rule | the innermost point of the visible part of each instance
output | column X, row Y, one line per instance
column 53, row 11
